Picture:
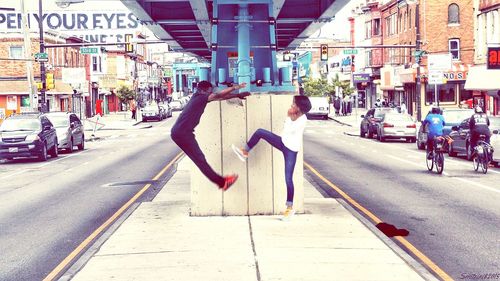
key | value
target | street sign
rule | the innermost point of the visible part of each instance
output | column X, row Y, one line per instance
column 350, row 51
column 439, row 62
column 89, row 50
column 436, row 78
column 41, row 57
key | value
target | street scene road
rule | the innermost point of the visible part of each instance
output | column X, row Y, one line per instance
column 452, row 218
column 48, row 209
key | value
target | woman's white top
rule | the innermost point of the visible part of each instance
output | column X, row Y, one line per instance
column 293, row 131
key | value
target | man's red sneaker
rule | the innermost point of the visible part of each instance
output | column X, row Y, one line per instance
column 228, row 181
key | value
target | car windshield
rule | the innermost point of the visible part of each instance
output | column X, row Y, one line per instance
column 11, row 125
column 59, row 121
column 176, row 102
column 380, row 112
column 456, row 116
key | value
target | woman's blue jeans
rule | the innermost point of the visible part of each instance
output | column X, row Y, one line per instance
column 290, row 157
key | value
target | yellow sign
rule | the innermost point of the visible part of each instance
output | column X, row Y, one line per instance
column 50, row 83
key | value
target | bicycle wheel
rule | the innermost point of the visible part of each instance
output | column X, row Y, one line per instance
column 429, row 162
column 476, row 161
column 439, row 162
column 484, row 164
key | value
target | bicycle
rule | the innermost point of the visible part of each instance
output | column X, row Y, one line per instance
column 482, row 155
column 437, row 158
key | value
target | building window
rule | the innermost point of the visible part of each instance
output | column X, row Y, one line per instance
column 368, row 29
column 453, row 14
column 409, row 20
column 454, row 48
column 376, row 27
column 94, row 64
column 16, row 52
column 445, row 92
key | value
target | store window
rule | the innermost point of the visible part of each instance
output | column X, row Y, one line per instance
column 376, row 27
column 454, row 48
column 445, row 92
column 453, row 14
column 465, row 95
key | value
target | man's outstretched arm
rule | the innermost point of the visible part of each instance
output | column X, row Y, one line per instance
column 227, row 93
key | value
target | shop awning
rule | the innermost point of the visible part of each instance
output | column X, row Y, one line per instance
column 482, row 79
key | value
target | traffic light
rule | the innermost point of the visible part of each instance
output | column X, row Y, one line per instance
column 49, row 81
column 324, row 52
column 129, row 48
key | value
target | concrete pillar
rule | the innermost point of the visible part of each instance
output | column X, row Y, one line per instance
column 244, row 63
column 179, row 88
column 203, row 74
column 261, row 187
column 222, row 75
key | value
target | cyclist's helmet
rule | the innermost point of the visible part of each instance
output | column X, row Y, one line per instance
column 478, row 109
column 435, row 109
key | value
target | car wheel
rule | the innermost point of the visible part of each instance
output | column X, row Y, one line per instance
column 81, row 146
column 54, row 152
column 70, row 146
column 420, row 145
column 370, row 134
column 468, row 153
column 43, row 154
column 361, row 132
column 451, row 153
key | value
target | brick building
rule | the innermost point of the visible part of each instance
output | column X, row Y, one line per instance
column 14, row 86
column 445, row 28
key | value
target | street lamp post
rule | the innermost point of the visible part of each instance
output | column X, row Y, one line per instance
column 43, row 103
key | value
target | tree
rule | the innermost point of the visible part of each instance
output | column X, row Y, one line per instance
column 317, row 87
column 124, row 94
column 345, row 86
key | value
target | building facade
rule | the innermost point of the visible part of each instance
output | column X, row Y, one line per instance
column 483, row 82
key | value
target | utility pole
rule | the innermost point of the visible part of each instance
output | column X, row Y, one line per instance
column 418, row 56
column 43, row 102
column 28, row 54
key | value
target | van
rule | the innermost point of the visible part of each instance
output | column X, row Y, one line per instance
column 319, row 107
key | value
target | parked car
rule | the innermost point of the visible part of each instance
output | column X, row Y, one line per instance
column 176, row 105
column 395, row 125
column 151, row 112
column 166, row 110
column 495, row 139
column 70, row 131
column 452, row 117
column 28, row 135
column 319, row 107
column 370, row 120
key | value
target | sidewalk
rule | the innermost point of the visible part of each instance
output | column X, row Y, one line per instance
column 160, row 241
column 112, row 121
column 353, row 120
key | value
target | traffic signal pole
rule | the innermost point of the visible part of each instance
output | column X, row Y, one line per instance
column 43, row 102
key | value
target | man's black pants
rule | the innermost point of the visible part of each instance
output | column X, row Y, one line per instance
column 189, row 145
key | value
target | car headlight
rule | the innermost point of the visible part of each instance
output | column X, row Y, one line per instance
column 33, row 137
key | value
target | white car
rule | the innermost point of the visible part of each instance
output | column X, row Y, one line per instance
column 495, row 139
column 320, row 107
column 176, row 105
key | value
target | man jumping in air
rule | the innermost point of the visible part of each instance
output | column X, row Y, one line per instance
column 182, row 132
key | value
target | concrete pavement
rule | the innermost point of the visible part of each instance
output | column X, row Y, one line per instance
column 158, row 240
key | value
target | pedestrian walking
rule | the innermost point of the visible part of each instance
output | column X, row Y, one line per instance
column 289, row 144
column 133, row 108
column 404, row 110
column 336, row 105
column 182, row 132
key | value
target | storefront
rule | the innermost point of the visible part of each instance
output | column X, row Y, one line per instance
column 485, row 87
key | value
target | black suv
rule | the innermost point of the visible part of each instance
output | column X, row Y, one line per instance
column 28, row 135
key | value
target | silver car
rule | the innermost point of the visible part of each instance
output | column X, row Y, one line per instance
column 495, row 138
column 70, row 131
column 396, row 126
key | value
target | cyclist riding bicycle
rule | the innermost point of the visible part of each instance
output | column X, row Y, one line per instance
column 435, row 122
column 479, row 125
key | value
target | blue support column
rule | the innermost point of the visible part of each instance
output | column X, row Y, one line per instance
column 174, row 80
column 203, row 74
column 179, row 89
column 244, row 63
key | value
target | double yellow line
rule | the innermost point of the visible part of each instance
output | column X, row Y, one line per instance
column 428, row 262
column 61, row 266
